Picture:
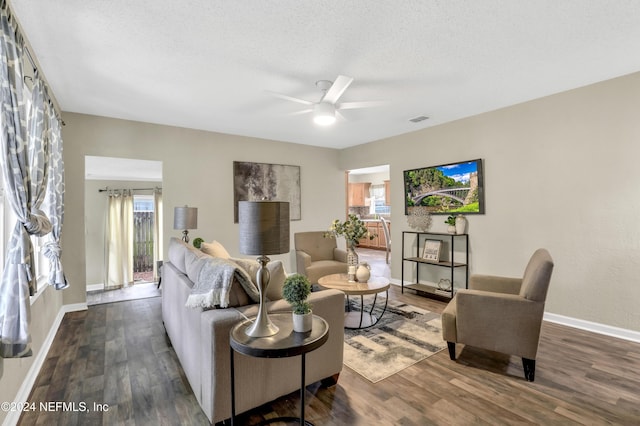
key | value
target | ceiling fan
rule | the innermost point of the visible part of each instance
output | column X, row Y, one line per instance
column 326, row 109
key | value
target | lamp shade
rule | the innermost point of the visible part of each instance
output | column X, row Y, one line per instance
column 264, row 227
column 185, row 217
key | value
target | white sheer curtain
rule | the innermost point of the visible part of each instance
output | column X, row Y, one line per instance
column 119, row 240
column 157, row 231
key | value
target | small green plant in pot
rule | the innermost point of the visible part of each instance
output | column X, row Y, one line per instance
column 197, row 242
column 451, row 221
column 296, row 290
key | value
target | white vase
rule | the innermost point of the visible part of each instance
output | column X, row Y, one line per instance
column 461, row 224
column 363, row 272
column 451, row 229
column 302, row 322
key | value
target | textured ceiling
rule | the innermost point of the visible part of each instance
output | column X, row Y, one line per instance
column 208, row 64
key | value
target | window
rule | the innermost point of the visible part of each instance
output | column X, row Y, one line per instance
column 378, row 200
column 7, row 223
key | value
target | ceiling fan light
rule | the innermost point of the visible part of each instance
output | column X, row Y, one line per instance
column 324, row 114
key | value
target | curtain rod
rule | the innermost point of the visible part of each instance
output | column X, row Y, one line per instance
column 34, row 63
column 134, row 189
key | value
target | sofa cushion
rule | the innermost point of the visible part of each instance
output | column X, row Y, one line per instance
column 276, row 272
column 215, row 249
column 193, row 262
column 177, row 251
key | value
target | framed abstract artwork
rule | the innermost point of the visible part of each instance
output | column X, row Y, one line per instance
column 262, row 181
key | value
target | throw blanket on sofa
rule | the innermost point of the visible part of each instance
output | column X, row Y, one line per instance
column 214, row 284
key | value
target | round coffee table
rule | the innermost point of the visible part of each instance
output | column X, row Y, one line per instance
column 375, row 285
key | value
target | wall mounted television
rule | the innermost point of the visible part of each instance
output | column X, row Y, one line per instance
column 447, row 188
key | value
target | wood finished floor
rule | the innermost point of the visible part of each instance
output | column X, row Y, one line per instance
column 117, row 354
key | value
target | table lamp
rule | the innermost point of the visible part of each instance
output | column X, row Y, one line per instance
column 185, row 218
column 264, row 230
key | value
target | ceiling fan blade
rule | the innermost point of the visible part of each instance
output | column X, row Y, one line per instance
column 304, row 111
column 289, row 98
column 365, row 104
column 337, row 89
column 340, row 116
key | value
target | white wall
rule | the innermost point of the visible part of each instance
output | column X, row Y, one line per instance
column 560, row 173
column 373, row 178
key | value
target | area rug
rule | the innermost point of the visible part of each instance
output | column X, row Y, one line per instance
column 404, row 336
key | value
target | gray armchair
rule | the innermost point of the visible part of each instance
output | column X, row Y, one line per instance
column 501, row 314
column 317, row 256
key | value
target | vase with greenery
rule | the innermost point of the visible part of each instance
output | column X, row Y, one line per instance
column 296, row 290
column 353, row 229
column 451, row 221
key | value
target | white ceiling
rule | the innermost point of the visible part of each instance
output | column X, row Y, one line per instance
column 208, row 64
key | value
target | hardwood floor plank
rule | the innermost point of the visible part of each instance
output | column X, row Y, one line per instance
column 118, row 354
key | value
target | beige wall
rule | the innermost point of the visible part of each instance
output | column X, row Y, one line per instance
column 561, row 173
column 13, row 371
column 198, row 171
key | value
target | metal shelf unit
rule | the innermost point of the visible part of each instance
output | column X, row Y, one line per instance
column 414, row 259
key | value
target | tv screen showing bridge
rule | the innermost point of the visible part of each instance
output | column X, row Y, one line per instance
column 449, row 188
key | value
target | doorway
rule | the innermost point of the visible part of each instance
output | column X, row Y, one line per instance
column 143, row 238
column 143, row 179
column 369, row 192
column 369, row 198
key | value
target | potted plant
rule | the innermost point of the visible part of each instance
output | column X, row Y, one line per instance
column 295, row 290
column 451, row 221
column 197, row 242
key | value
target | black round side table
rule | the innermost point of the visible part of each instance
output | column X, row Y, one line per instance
column 285, row 343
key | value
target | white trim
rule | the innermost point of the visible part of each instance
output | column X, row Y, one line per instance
column 607, row 330
column 594, row 327
column 95, row 287
column 27, row 384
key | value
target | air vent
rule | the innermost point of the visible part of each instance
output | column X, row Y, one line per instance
column 419, row 119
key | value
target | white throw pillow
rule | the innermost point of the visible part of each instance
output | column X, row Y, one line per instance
column 215, row 249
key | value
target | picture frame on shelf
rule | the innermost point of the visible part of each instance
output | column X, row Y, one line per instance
column 431, row 251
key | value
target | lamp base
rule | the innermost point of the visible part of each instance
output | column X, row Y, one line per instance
column 262, row 326
column 185, row 236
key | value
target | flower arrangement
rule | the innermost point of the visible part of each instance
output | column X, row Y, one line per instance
column 295, row 290
column 352, row 229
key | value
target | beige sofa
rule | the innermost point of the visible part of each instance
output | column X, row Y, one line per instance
column 200, row 338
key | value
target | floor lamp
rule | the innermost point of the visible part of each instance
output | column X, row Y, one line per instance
column 185, row 218
column 264, row 230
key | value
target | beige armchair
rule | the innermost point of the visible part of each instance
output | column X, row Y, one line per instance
column 317, row 256
column 501, row 314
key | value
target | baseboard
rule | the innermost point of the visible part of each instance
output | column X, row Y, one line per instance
column 95, row 287
column 594, row 327
column 607, row 330
column 27, row 384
